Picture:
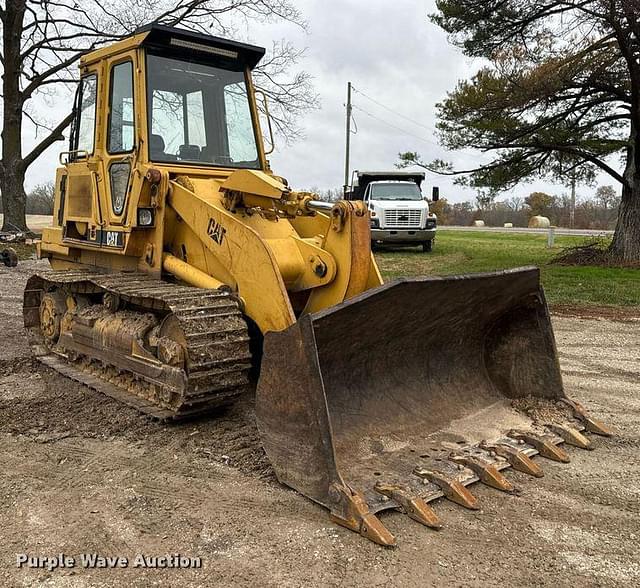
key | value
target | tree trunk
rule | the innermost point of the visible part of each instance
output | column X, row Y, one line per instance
column 626, row 240
column 13, row 199
column 12, row 172
column 625, row 246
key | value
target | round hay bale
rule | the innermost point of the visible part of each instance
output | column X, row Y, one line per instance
column 478, row 223
column 508, row 225
column 539, row 222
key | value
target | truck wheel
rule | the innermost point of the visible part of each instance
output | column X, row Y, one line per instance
column 374, row 246
column 427, row 246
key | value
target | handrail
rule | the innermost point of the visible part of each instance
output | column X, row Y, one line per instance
column 76, row 154
column 268, row 115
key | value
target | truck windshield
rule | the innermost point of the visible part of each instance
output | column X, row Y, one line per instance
column 199, row 114
column 395, row 191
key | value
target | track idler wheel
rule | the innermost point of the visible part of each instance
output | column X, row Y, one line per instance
column 52, row 308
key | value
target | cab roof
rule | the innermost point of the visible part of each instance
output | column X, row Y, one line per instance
column 183, row 42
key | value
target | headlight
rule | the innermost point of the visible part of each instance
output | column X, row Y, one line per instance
column 375, row 223
column 145, row 217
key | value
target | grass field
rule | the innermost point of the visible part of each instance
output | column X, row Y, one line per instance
column 465, row 252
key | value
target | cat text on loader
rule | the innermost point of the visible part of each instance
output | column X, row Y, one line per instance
column 179, row 260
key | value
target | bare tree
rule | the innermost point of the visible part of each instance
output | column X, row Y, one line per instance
column 291, row 95
column 515, row 203
column 42, row 41
column 485, row 199
column 40, row 199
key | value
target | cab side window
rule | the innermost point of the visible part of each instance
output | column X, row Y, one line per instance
column 85, row 139
column 121, row 118
column 240, row 134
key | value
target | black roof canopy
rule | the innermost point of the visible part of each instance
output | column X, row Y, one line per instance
column 206, row 47
column 366, row 177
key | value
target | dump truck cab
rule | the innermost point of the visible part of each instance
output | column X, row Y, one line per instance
column 399, row 212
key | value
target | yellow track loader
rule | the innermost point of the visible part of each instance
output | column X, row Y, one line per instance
column 180, row 262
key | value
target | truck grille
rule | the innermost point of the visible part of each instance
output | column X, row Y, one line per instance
column 402, row 218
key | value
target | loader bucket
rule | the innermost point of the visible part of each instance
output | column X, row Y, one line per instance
column 411, row 391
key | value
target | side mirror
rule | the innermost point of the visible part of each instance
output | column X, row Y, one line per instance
column 435, row 194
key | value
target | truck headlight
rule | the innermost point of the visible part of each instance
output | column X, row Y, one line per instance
column 145, row 217
column 375, row 223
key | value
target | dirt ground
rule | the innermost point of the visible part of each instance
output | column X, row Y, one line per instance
column 83, row 474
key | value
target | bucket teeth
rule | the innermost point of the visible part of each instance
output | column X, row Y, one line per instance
column 518, row 460
column 412, row 505
column 592, row 425
column 487, row 472
column 354, row 514
column 544, row 447
column 450, row 487
column 571, row 436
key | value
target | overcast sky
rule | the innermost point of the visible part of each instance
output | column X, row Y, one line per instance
column 391, row 53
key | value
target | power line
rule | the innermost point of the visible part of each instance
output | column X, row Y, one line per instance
column 392, row 110
column 443, row 177
column 396, row 127
column 466, row 150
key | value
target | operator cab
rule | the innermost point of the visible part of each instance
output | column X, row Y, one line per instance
column 193, row 91
column 167, row 98
column 199, row 113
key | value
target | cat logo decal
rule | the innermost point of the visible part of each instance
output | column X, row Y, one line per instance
column 216, row 231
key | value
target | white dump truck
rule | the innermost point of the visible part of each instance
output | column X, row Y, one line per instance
column 399, row 212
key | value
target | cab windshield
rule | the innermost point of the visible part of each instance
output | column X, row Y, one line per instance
column 395, row 191
column 199, row 114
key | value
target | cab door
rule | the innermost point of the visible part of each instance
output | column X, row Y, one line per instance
column 120, row 147
column 79, row 202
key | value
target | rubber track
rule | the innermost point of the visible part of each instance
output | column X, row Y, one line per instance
column 216, row 333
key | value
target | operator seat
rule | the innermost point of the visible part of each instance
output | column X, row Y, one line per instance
column 156, row 149
column 209, row 154
column 189, row 152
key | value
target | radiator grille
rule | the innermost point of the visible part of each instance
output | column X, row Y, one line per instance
column 402, row 218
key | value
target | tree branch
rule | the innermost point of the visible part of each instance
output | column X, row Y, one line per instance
column 39, row 79
column 590, row 158
column 50, row 139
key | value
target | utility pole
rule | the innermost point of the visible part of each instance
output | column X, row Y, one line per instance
column 572, row 211
column 348, row 141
